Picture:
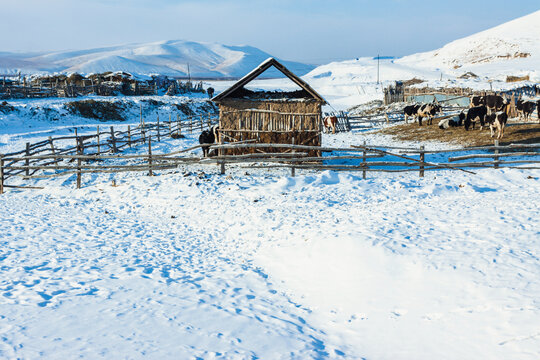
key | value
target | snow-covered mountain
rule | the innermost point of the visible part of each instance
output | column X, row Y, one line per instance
column 165, row 57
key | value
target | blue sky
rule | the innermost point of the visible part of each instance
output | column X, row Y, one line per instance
column 313, row 31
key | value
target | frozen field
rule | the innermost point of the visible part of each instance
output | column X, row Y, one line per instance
column 261, row 265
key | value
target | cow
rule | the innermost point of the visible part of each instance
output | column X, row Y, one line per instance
column 210, row 92
column 538, row 110
column 410, row 110
column 429, row 111
column 208, row 137
column 454, row 121
column 477, row 112
column 497, row 120
column 477, row 101
column 330, row 123
column 494, row 103
column 525, row 108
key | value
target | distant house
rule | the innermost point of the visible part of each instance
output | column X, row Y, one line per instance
column 272, row 117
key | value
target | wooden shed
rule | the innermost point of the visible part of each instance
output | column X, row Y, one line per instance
column 272, row 117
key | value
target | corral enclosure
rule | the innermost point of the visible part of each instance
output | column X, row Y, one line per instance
column 272, row 117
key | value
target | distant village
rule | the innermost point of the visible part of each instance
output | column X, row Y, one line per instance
column 104, row 84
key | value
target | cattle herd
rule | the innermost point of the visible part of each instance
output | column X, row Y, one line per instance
column 489, row 110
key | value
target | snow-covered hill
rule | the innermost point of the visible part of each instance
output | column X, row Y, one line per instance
column 164, row 57
column 512, row 48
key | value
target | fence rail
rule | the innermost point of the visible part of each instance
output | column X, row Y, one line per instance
column 78, row 160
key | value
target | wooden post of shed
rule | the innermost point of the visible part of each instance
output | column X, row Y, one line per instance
column 27, row 161
column 422, row 159
column 1, row 174
column 150, row 172
column 113, row 140
column 495, row 157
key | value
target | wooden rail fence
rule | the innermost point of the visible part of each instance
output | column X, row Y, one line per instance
column 364, row 158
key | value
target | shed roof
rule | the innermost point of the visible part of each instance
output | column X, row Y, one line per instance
column 265, row 65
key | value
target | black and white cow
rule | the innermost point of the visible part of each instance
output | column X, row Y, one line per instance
column 494, row 103
column 454, row 121
column 497, row 120
column 525, row 108
column 208, row 137
column 477, row 101
column 428, row 111
column 477, row 112
column 411, row 110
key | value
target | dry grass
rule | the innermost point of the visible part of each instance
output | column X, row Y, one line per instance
column 514, row 133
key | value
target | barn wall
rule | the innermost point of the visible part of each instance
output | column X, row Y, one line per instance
column 271, row 122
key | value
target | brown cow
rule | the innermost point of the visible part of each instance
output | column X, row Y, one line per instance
column 330, row 122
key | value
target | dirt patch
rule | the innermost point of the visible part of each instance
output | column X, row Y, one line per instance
column 5, row 108
column 514, row 133
column 100, row 110
column 185, row 109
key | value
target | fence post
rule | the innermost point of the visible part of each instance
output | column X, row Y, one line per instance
column 129, row 135
column 150, row 172
column 53, row 152
column 293, row 169
column 170, row 125
column 143, row 135
column 220, row 153
column 1, row 174
column 179, row 129
column 113, row 139
column 495, row 157
column 98, row 142
column 158, row 134
column 201, row 121
column 79, row 152
column 422, row 159
column 191, row 125
column 27, row 162
column 364, row 164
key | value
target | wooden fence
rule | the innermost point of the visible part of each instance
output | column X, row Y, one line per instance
column 28, row 164
column 46, row 155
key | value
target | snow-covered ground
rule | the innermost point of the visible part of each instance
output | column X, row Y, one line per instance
column 256, row 264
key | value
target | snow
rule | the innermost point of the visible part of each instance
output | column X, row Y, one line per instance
column 256, row 264
column 492, row 54
column 172, row 58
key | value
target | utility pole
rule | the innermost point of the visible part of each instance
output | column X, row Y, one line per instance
column 378, row 60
